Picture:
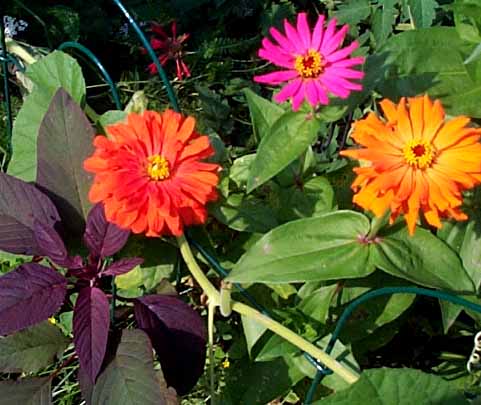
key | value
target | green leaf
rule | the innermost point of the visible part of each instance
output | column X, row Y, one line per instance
column 316, row 197
column 31, row 349
column 129, row 378
column 263, row 113
column 320, row 248
column 26, row 391
column 288, row 137
column 253, row 330
column 431, row 60
column 245, row 214
column 422, row 258
column 383, row 21
column 423, row 12
column 467, row 19
column 239, row 171
column 353, row 11
column 48, row 75
column 316, row 305
column 397, row 386
column 111, row 117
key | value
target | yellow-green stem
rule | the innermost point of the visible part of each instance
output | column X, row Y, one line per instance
column 276, row 327
column 14, row 48
column 197, row 272
column 297, row 340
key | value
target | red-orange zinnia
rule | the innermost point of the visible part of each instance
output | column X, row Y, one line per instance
column 415, row 160
column 149, row 173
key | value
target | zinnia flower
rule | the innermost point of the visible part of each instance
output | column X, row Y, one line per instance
column 149, row 173
column 415, row 160
column 315, row 64
column 170, row 48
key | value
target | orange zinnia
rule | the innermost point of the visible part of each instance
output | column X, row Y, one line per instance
column 415, row 160
column 149, row 174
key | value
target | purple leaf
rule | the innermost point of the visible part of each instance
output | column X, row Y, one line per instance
column 102, row 237
column 28, row 295
column 90, row 329
column 178, row 336
column 65, row 140
column 51, row 245
column 122, row 266
column 20, row 204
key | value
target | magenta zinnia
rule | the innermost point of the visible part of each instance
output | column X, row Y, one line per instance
column 315, row 64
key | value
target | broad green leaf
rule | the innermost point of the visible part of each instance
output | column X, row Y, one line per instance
column 319, row 248
column 263, row 113
column 467, row 19
column 253, row 330
column 422, row 258
column 48, row 75
column 129, row 378
column 316, row 305
column 286, row 140
column 423, row 12
column 353, row 11
column 431, row 60
column 31, row 349
column 26, row 391
column 397, row 386
column 383, row 21
column 314, row 198
column 239, row 171
column 245, row 214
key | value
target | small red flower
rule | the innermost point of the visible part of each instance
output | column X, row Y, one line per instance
column 170, row 48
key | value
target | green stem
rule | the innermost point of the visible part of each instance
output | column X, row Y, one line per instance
column 346, row 374
column 196, row 271
column 276, row 327
column 210, row 329
column 377, row 223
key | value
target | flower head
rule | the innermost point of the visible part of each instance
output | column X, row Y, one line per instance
column 149, row 173
column 313, row 62
column 170, row 48
column 415, row 161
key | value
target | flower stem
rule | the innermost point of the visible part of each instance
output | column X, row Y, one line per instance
column 276, row 327
column 377, row 223
column 197, row 272
column 297, row 340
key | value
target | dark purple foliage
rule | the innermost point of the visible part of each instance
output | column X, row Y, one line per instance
column 65, row 140
column 178, row 336
column 28, row 295
column 90, row 329
column 102, row 237
column 122, row 266
column 52, row 246
column 20, row 205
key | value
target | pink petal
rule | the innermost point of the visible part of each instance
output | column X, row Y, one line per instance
column 275, row 49
column 342, row 53
column 282, row 40
column 288, row 91
column 298, row 97
column 334, row 87
column 343, row 72
column 322, row 94
column 292, row 36
column 318, row 33
column 311, row 93
column 275, row 54
column 358, row 60
column 328, row 34
column 303, row 30
column 276, row 77
column 335, row 41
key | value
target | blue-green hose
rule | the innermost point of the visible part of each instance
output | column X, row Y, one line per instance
column 376, row 293
column 96, row 61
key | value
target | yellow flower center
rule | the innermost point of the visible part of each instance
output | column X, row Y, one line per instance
column 158, row 168
column 419, row 153
column 310, row 65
